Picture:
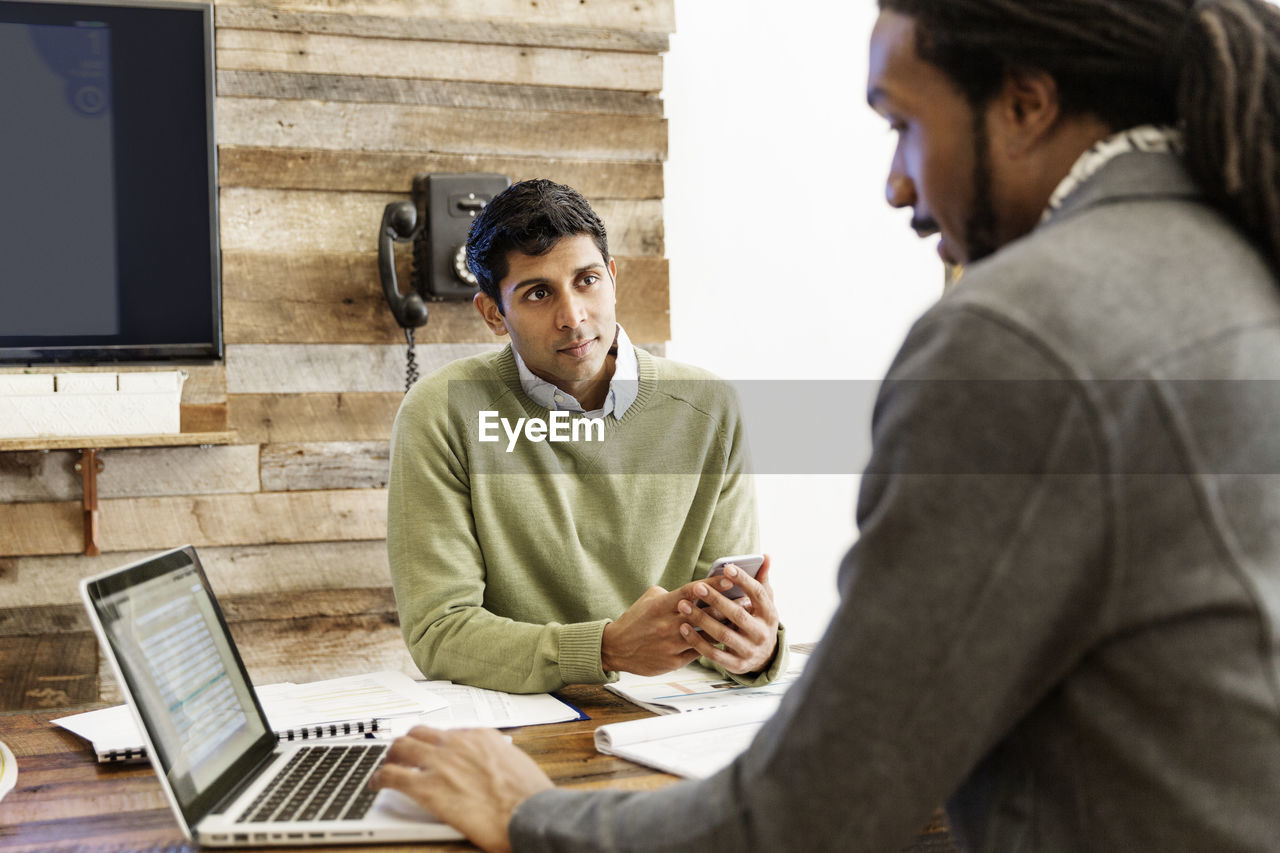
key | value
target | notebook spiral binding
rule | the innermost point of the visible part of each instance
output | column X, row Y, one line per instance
column 304, row 733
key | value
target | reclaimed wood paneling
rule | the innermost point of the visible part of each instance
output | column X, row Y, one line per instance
column 377, row 601
column 299, row 369
column 314, row 53
column 131, row 524
column 33, row 588
column 393, row 171
column 272, row 418
column 326, row 110
column 306, row 297
column 534, row 33
column 299, row 220
column 131, row 473
column 325, row 465
column 209, row 417
column 644, row 15
column 281, row 123
column 434, row 93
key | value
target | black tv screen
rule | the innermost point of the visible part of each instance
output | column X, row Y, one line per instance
column 108, row 188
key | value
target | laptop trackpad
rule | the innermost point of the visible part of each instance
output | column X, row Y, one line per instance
column 391, row 803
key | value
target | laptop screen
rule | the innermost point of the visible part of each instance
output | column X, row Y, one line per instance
column 186, row 679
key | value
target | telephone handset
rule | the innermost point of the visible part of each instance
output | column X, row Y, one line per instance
column 436, row 221
column 399, row 224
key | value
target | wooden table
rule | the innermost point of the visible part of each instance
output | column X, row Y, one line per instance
column 65, row 800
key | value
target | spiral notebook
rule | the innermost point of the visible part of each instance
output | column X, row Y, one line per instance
column 338, row 707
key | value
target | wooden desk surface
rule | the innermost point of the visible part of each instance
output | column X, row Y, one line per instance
column 65, row 800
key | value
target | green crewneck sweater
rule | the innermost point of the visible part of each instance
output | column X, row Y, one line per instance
column 508, row 558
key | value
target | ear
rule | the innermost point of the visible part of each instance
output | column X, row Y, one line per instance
column 613, row 276
column 1026, row 110
column 489, row 312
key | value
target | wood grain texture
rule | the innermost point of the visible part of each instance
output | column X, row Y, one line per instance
column 275, row 418
column 41, row 620
column 130, row 524
column 83, row 442
column 279, row 123
column 301, row 369
column 644, row 15
column 393, row 171
column 50, row 671
column 317, row 53
column 305, row 297
column 31, row 587
column 315, row 648
column 325, row 465
column 149, row 472
column 207, row 417
column 310, row 604
column 531, row 32
column 53, row 619
column 264, row 220
column 434, row 93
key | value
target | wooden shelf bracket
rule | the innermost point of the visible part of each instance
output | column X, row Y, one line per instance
column 89, row 467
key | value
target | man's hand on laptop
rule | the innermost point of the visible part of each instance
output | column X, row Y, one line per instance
column 472, row 779
column 646, row 639
column 747, row 626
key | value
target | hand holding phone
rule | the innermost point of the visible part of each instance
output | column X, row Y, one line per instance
column 749, row 563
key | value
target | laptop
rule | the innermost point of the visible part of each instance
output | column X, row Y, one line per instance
column 228, row 780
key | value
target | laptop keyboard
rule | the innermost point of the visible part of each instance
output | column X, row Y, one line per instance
column 329, row 782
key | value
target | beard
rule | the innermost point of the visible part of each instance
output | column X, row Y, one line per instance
column 980, row 226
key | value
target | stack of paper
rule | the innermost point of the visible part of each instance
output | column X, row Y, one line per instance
column 468, row 707
column 696, row 688
column 384, row 703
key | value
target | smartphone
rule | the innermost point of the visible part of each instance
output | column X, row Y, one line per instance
column 749, row 563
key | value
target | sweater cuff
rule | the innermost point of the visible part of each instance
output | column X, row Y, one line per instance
column 580, row 653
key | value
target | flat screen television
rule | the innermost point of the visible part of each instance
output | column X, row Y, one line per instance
column 108, row 183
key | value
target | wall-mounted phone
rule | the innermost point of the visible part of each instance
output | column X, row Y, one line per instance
column 436, row 221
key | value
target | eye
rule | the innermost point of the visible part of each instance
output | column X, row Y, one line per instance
column 537, row 294
column 590, row 280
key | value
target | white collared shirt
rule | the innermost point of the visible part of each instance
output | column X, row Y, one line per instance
column 623, row 386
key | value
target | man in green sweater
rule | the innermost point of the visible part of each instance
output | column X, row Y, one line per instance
column 554, row 506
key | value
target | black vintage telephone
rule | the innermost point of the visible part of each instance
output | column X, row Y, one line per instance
column 437, row 221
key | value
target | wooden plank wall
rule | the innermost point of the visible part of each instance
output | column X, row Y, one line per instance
column 325, row 111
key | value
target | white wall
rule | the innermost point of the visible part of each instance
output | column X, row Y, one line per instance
column 786, row 263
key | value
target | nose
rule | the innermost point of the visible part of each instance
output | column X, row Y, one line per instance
column 899, row 190
column 573, row 311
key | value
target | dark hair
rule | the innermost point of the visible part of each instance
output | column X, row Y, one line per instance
column 1211, row 68
column 529, row 217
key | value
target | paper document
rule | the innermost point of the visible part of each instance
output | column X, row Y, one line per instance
column 693, row 745
column 338, row 707
column 468, row 707
column 696, row 688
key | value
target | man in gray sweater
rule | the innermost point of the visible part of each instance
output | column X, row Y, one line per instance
column 1062, row 615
